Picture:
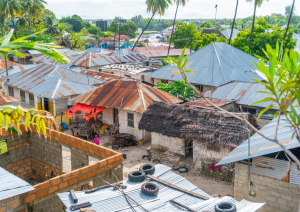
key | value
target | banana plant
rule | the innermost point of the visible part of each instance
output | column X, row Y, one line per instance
column 13, row 47
column 12, row 116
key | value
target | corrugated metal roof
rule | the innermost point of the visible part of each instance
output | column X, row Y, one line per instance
column 227, row 33
column 105, row 76
column 9, row 64
column 229, row 64
column 11, row 185
column 129, row 53
column 16, row 68
column 134, row 96
column 159, row 51
column 260, row 146
column 243, row 92
column 112, row 200
column 204, row 103
column 65, row 51
column 42, row 80
column 7, row 99
column 97, row 50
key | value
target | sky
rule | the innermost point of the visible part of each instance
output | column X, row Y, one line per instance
column 194, row 9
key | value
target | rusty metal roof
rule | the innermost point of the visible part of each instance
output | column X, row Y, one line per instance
column 106, row 77
column 204, row 103
column 7, row 99
column 16, row 68
column 128, row 95
column 260, row 146
column 9, row 64
column 159, row 51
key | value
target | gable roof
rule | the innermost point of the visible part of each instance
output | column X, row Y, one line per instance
column 110, row 200
column 184, row 121
column 98, row 50
column 128, row 53
column 9, row 64
column 227, row 33
column 128, row 95
column 227, row 63
column 8, row 99
column 211, row 31
column 105, row 76
column 260, row 146
column 16, row 68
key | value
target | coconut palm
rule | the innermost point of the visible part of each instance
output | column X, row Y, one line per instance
column 179, row 2
column 237, row 3
column 51, row 25
column 33, row 8
column 11, row 8
column 154, row 6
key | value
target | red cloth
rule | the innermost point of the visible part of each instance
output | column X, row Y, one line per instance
column 86, row 109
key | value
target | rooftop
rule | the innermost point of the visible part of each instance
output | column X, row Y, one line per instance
column 159, row 51
column 203, row 103
column 128, row 95
column 134, row 69
column 105, row 76
column 16, row 68
column 113, row 200
column 9, row 64
column 7, row 99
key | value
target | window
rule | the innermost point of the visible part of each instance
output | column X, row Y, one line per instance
column 200, row 87
column 127, row 75
column 3, row 146
column 143, row 77
column 31, row 99
column 10, row 91
column 164, row 81
column 22, row 95
column 130, row 119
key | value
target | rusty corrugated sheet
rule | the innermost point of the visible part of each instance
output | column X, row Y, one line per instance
column 159, row 51
column 128, row 95
column 9, row 64
column 7, row 99
column 204, row 103
column 106, row 77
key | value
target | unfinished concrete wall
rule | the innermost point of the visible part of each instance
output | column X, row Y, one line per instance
column 108, row 116
column 60, row 105
column 278, row 195
column 78, row 159
column 164, row 143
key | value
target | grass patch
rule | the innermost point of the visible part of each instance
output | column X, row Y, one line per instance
column 3, row 147
column 107, row 144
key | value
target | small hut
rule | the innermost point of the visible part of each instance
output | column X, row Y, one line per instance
column 204, row 134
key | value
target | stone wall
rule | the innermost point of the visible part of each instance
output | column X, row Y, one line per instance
column 278, row 195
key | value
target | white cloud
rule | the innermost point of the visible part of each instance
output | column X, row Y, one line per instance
column 195, row 9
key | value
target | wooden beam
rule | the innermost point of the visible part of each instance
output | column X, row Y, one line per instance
column 183, row 206
column 176, row 187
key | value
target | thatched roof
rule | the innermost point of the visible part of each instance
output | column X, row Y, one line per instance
column 184, row 121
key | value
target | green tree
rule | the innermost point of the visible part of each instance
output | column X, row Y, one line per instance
column 261, row 38
column 207, row 39
column 158, row 6
column 33, row 8
column 136, row 19
column 114, row 27
column 95, row 30
column 206, row 24
column 75, row 21
column 51, row 25
column 78, row 40
column 185, row 31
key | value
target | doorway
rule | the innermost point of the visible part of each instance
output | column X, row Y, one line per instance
column 46, row 104
column 189, row 148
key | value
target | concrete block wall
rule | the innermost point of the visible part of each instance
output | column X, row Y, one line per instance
column 12, row 204
column 78, row 159
column 278, row 195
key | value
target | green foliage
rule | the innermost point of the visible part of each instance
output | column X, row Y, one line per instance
column 159, row 7
column 281, row 79
column 76, row 22
column 96, row 31
column 78, row 40
column 179, row 89
column 114, row 27
column 3, row 147
column 260, row 38
column 109, row 34
column 186, row 31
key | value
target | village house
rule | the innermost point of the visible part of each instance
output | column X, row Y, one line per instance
column 39, row 161
column 264, row 173
column 48, row 87
column 9, row 100
column 177, row 191
column 235, row 94
column 125, row 102
column 213, row 65
column 202, row 134
column 212, row 31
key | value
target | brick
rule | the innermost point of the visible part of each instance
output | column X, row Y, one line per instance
column 45, row 185
column 91, row 151
column 73, row 181
column 0, row 202
column 111, row 160
column 83, row 143
column 108, row 152
column 91, row 174
column 85, row 149
column 97, row 153
column 13, row 205
column 9, row 166
column 94, row 166
column 85, row 169
column 55, row 182
column 19, row 146
column 22, row 210
column 63, row 185
column 103, row 163
column 23, row 165
column 101, row 149
column 103, row 155
column 11, row 148
column 3, row 209
column 119, row 157
column 53, row 189
column 89, row 145
column 42, row 193
column 80, row 147
column 30, row 198
column 5, row 201
column 20, row 162
column 83, row 177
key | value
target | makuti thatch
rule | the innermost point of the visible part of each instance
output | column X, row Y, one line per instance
column 190, row 122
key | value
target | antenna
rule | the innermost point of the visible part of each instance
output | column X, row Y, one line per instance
column 212, row 73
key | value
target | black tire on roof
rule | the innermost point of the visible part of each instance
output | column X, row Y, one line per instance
column 150, row 189
column 147, row 168
column 225, row 207
column 137, row 176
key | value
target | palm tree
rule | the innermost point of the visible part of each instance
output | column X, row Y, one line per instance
column 237, row 3
column 287, row 27
column 182, row 2
column 51, row 25
column 33, row 8
column 154, row 6
column 11, row 8
column 256, row 3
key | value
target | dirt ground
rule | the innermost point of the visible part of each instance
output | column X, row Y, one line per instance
column 134, row 161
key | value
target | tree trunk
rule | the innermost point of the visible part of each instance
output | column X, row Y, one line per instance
column 287, row 27
column 15, row 29
column 147, row 25
column 237, row 3
column 173, row 27
column 5, row 63
column 30, row 21
column 253, row 21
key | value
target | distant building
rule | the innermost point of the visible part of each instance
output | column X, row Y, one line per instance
column 227, row 33
column 212, row 31
column 102, row 25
